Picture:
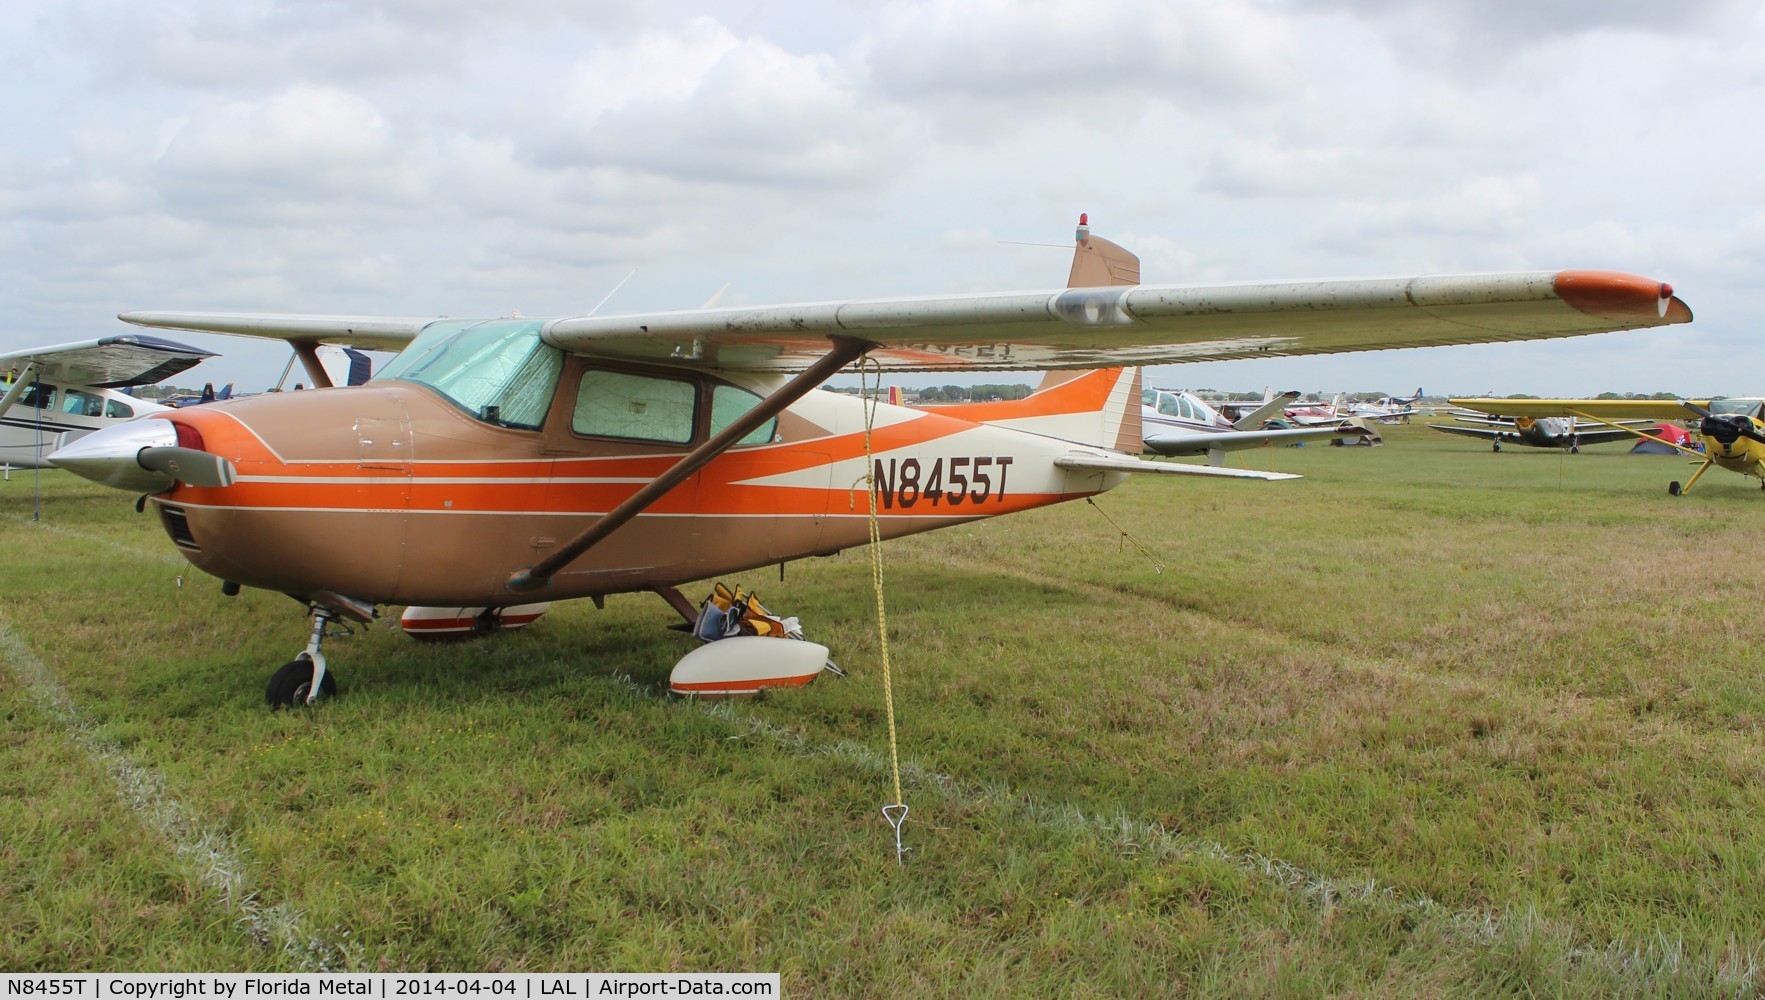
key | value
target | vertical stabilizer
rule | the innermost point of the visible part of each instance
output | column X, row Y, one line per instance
column 1096, row 262
column 1100, row 407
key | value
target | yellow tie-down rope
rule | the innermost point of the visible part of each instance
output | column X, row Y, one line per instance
column 895, row 812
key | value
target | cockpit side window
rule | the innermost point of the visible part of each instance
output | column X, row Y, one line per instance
column 38, row 395
column 638, row 407
column 80, row 403
column 499, row 371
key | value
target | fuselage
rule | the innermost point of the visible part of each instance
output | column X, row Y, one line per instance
column 47, row 415
column 428, row 488
column 1546, row 432
column 1731, row 451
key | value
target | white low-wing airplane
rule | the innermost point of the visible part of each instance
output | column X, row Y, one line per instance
column 496, row 462
column 50, row 396
column 1175, row 422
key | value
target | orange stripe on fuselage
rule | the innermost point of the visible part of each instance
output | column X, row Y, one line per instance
column 545, row 485
column 1088, row 393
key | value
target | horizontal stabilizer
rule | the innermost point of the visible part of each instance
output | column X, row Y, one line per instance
column 1272, row 407
column 1099, row 463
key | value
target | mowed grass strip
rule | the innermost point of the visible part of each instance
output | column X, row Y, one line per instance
column 1430, row 720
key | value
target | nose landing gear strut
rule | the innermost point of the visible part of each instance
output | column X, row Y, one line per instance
column 304, row 679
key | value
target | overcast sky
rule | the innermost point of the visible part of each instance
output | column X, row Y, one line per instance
column 463, row 158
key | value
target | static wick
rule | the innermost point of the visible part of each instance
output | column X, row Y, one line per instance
column 896, row 815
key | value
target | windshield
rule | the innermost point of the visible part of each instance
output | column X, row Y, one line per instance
column 498, row 371
column 1749, row 407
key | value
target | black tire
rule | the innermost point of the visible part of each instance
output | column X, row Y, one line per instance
column 1673, row 488
column 1574, row 449
column 1495, row 447
column 288, row 686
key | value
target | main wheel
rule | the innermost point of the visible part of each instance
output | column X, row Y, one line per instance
column 1673, row 488
column 1495, row 447
column 1574, row 449
column 289, row 685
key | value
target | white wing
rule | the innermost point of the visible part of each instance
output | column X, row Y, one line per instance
column 109, row 362
column 1067, row 328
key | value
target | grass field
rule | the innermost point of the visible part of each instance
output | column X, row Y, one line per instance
column 1429, row 721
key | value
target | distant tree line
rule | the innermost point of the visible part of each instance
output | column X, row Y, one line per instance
column 972, row 393
column 954, row 393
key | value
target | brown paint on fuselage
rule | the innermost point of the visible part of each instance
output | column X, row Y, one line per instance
column 391, row 494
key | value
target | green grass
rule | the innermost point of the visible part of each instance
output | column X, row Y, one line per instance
column 1429, row 721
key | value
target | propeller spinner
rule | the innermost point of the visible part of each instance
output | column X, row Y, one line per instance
column 144, row 456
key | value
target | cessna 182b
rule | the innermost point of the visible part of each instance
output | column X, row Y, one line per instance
column 1733, row 429
column 498, row 461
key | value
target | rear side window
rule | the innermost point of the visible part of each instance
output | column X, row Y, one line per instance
column 116, row 409
column 640, row 407
column 728, row 403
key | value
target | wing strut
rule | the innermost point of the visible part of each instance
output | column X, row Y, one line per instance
column 1641, row 434
column 20, row 379
column 308, row 353
column 845, row 351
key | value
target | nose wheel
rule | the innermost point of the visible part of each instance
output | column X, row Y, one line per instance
column 293, row 684
column 304, row 679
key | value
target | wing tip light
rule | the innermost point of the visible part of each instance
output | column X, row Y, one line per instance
column 1621, row 297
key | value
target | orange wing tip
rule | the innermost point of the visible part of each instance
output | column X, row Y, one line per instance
column 1622, row 298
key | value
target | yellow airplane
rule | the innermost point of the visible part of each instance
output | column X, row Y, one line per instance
column 1733, row 431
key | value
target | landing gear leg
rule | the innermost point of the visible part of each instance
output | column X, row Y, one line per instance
column 1676, row 490
column 304, row 680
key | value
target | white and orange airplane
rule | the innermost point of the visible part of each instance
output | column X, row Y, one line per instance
column 500, row 461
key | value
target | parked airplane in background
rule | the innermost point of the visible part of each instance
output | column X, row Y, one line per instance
column 1317, row 413
column 1174, row 422
column 207, row 395
column 1733, row 429
column 1536, row 432
column 580, row 457
column 1389, row 409
column 53, row 395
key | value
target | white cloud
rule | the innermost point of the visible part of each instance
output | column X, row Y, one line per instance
column 1064, row 54
column 705, row 105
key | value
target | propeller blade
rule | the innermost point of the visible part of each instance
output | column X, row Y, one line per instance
column 187, row 465
column 1695, row 408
